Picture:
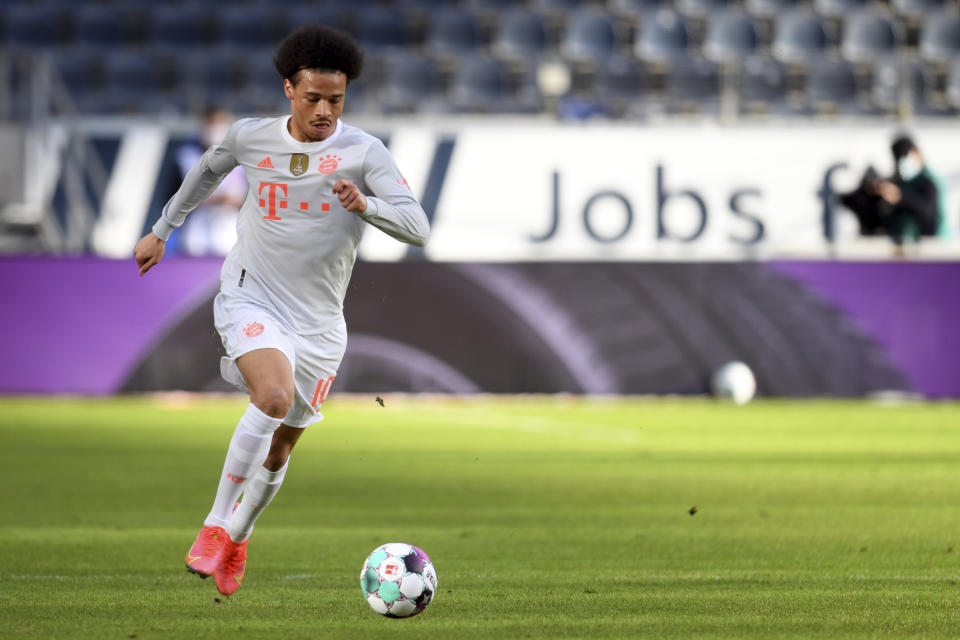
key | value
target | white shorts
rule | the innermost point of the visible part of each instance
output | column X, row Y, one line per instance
column 246, row 326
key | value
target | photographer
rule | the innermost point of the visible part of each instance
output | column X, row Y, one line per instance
column 907, row 206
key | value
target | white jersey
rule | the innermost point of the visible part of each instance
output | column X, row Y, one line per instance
column 294, row 240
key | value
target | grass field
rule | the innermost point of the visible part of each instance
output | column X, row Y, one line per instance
column 546, row 518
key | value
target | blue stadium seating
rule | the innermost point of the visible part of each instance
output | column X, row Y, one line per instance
column 410, row 84
column 453, row 30
column 693, row 85
column 702, row 7
column 480, row 85
column 731, row 36
column 590, row 37
column 769, row 8
column 768, row 46
column 176, row 26
column 35, row 25
column 522, row 35
column 799, row 36
column 663, row 38
column 838, row 8
column 940, row 37
column 379, row 28
column 762, row 85
column 832, row 86
column 870, row 35
column 108, row 26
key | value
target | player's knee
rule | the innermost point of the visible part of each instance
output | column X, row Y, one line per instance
column 274, row 401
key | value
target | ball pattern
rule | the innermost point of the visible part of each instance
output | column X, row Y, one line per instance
column 398, row 580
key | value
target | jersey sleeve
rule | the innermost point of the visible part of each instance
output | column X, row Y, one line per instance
column 392, row 207
column 201, row 181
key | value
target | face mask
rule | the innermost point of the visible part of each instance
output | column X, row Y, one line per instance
column 908, row 168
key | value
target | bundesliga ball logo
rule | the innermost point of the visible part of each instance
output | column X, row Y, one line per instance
column 398, row 580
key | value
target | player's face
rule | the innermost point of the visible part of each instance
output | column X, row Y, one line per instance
column 316, row 102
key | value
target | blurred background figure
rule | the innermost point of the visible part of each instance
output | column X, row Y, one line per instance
column 212, row 229
column 906, row 206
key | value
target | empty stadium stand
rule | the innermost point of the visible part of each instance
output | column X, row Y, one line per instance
column 770, row 56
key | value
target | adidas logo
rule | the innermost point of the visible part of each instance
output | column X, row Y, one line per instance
column 266, row 164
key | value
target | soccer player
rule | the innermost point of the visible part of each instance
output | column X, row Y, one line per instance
column 315, row 183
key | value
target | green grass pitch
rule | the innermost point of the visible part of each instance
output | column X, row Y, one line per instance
column 545, row 517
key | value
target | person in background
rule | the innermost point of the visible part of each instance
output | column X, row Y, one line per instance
column 212, row 228
column 906, row 206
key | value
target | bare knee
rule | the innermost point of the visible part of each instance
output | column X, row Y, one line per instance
column 274, row 401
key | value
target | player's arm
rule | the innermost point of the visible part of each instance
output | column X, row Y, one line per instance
column 392, row 208
column 202, row 180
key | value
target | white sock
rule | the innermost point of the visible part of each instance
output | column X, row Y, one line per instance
column 257, row 495
column 247, row 451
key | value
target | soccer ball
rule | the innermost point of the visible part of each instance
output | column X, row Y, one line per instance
column 398, row 580
column 734, row 381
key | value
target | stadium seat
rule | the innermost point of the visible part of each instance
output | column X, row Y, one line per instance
column 920, row 8
column 480, row 86
column 379, row 28
column 591, row 37
column 619, row 84
column 176, row 26
column 731, row 36
column 693, row 85
column 101, row 25
column 869, row 35
column 301, row 13
column 837, row 8
column 521, row 35
column 38, row 25
column 630, row 7
column 702, row 7
column 491, row 5
column 562, row 6
column 832, row 85
column 80, row 71
column 138, row 81
column 762, row 84
column 769, row 8
column 940, row 37
column 453, row 30
column 952, row 87
column 410, row 84
column 257, row 25
column 899, row 85
column 663, row 38
column 799, row 36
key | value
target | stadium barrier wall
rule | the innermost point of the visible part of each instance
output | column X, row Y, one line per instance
column 521, row 190
column 813, row 328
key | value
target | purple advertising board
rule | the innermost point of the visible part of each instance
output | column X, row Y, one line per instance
column 90, row 326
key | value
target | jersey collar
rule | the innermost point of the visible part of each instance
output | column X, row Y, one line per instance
column 308, row 146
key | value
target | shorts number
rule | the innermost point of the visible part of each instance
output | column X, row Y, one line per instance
column 323, row 387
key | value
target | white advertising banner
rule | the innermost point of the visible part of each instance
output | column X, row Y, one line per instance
column 536, row 191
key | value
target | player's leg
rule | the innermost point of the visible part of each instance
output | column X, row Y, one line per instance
column 318, row 358
column 269, row 378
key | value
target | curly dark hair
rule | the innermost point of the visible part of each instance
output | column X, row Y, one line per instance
column 317, row 46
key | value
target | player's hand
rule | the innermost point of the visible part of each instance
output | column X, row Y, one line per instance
column 148, row 252
column 888, row 191
column 350, row 197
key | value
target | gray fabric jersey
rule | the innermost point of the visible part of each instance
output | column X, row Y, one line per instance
column 294, row 238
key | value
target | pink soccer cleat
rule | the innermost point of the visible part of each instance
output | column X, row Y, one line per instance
column 204, row 555
column 233, row 561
